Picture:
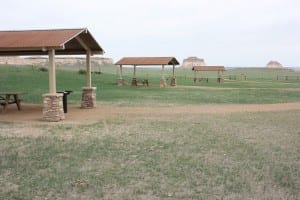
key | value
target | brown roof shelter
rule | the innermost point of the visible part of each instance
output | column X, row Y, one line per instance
column 38, row 42
column 51, row 42
column 219, row 69
column 208, row 68
column 147, row 61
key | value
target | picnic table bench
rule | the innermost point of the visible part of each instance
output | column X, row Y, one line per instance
column 5, row 99
column 143, row 82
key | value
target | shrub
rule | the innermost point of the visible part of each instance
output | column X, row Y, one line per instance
column 43, row 69
column 82, row 71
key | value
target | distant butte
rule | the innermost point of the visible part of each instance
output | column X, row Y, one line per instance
column 274, row 64
column 193, row 61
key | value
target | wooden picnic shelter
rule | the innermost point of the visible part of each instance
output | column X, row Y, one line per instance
column 219, row 69
column 50, row 43
column 147, row 61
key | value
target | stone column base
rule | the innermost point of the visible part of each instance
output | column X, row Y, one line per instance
column 121, row 82
column 53, row 107
column 133, row 82
column 220, row 79
column 88, row 99
column 163, row 83
column 173, row 81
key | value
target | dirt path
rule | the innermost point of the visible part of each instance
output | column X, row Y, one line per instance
column 33, row 113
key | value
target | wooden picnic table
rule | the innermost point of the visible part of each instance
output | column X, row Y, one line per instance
column 5, row 99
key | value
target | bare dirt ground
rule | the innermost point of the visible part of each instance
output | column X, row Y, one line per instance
column 32, row 113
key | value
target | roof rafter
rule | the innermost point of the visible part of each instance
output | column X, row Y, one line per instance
column 82, row 43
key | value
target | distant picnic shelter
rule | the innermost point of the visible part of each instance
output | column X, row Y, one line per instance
column 147, row 61
column 54, row 42
column 219, row 69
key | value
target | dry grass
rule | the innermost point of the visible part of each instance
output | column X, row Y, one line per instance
column 243, row 155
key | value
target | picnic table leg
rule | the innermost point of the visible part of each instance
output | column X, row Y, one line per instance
column 17, row 100
column 7, row 96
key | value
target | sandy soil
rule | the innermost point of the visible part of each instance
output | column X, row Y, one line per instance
column 31, row 113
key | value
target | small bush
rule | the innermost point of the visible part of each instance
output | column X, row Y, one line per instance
column 82, row 71
column 43, row 69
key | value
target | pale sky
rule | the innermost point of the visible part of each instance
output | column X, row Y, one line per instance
column 223, row 32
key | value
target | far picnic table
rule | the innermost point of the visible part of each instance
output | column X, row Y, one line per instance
column 5, row 99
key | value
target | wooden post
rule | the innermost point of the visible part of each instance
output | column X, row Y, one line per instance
column 173, row 80
column 163, row 83
column 52, row 75
column 134, row 81
column 222, row 76
column 173, row 71
column 121, row 80
column 162, row 71
column 121, row 72
column 88, row 69
column 134, row 71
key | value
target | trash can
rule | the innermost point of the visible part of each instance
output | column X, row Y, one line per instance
column 65, row 99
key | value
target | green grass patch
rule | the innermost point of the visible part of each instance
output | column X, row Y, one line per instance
column 253, row 90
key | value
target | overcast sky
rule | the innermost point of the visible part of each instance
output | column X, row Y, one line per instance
column 223, row 32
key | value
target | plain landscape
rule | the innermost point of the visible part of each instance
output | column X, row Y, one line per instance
column 239, row 139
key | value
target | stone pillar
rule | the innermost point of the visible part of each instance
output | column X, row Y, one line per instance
column 121, row 82
column 133, row 82
column 88, row 97
column 173, row 81
column 53, row 107
column 163, row 83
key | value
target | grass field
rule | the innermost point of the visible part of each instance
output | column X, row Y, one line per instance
column 261, row 86
column 235, row 155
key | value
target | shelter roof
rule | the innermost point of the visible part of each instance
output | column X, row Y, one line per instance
column 208, row 68
column 147, row 61
column 38, row 42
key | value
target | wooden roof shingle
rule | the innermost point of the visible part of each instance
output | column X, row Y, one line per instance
column 147, row 61
column 37, row 42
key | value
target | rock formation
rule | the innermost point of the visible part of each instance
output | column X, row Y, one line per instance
column 193, row 61
column 274, row 64
column 60, row 61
